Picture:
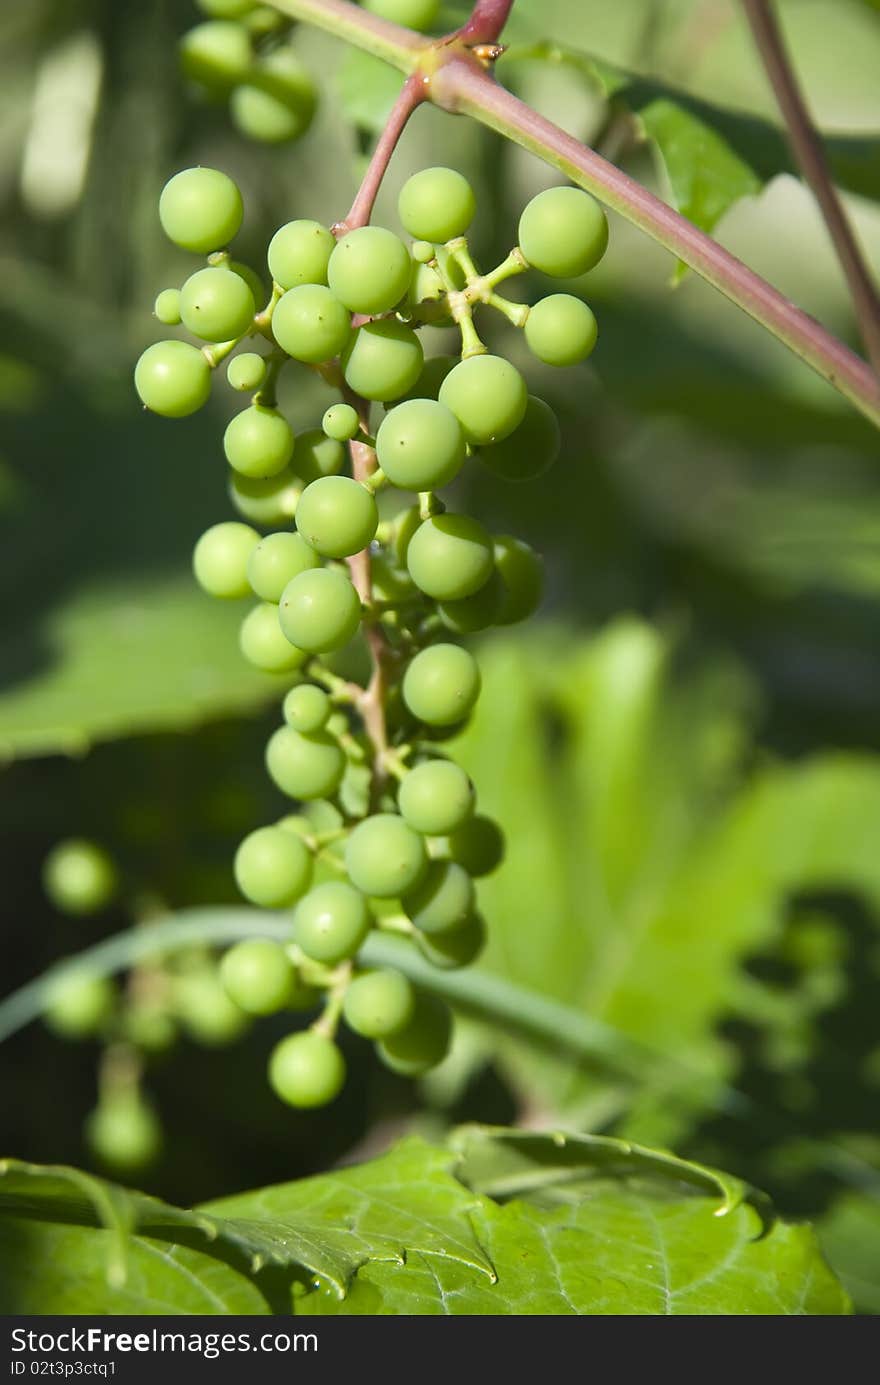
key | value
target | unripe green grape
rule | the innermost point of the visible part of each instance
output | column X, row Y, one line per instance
column 450, row 556
column 173, row 378
column 317, row 455
column 383, row 359
column 265, row 645
column 296, row 822
column 476, row 612
column 200, row 209
column 384, row 856
column 420, row 445
column 423, row 1042
column 320, row 611
column 436, row 204
column 247, row 371
column 221, row 557
column 310, row 324
column 275, row 561
column 258, row 442
column 431, row 377
column 216, row 304
column 391, row 583
column 273, row 868
column 441, row 684
column 561, row 330
column 532, row 447
column 251, row 278
column 457, row 947
column 478, row 846
column 225, row 9
column 258, row 975
column 148, row 1025
column 436, row 797
column 412, row 14
column 369, row 270
column 124, row 1132
column 206, row 1011
column 331, row 922
column 265, row 500
column 307, row 708
column 379, row 1003
column 422, row 251
column 305, row 767
column 79, row 877
column 522, row 574
column 404, row 525
column 443, row 899
column 563, row 232
column 488, row 397
column 306, row 1070
column 263, row 19
column 277, row 102
column 299, row 253
column 340, row 422
column 215, row 55
column 337, row 516
column 79, row 1004
column 167, row 307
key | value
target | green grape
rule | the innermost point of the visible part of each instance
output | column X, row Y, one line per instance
column 307, row 708
column 405, row 524
column 456, row 948
column 305, row 767
column 172, row 378
column 167, row 307
column 422, row 252
column 390, row 583
column 273, row 868
column 563, row 232
column 441, row 684
column 306, row 1070
column 444, row 899
column 79, row 1004
column 317, row 455
column 475, row 612
column 421, row 1044
column 436, row 204
column 436, row 797
column 431, row 377
column 296, row 822
column 383, row 359
column 148, row 1025
column 379, row 1003
column 124, row 1132
column 522, row 574
column 331, row 922
column 532, row 447
column 258, row 442
column 369, row 270
column 299, row 253
column 275, row 561
column 247, row 371
column 488, row 397
column 277, row 102
column 561, row 330
column 258, row 975
column 320, row 611
column 225, row 9
column 340, row 422
column 251, row 278
column 265, row 645
column 478, row 846
column 200, row 209
column 79, row 877
column 412, row 14
column 384, row 856
column 420, row 445
column 337, row 516
column 206, row 1011
column 221, row 558
column 263, row 19
column 216, row 305
column 310, row 324
column 265, row 500
column 450, row 556
column 215, row 55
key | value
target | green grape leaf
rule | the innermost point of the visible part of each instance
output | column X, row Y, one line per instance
column 368, row 89
column 850, row 1234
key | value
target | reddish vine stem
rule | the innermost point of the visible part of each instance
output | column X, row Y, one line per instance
column 487, row 19
column 809, row 152
column 412, row 94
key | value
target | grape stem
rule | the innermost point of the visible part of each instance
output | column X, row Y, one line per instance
column 458, row 81
column 413, row 92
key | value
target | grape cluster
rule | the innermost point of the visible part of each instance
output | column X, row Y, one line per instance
column 387, row 835
column 241, row 53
